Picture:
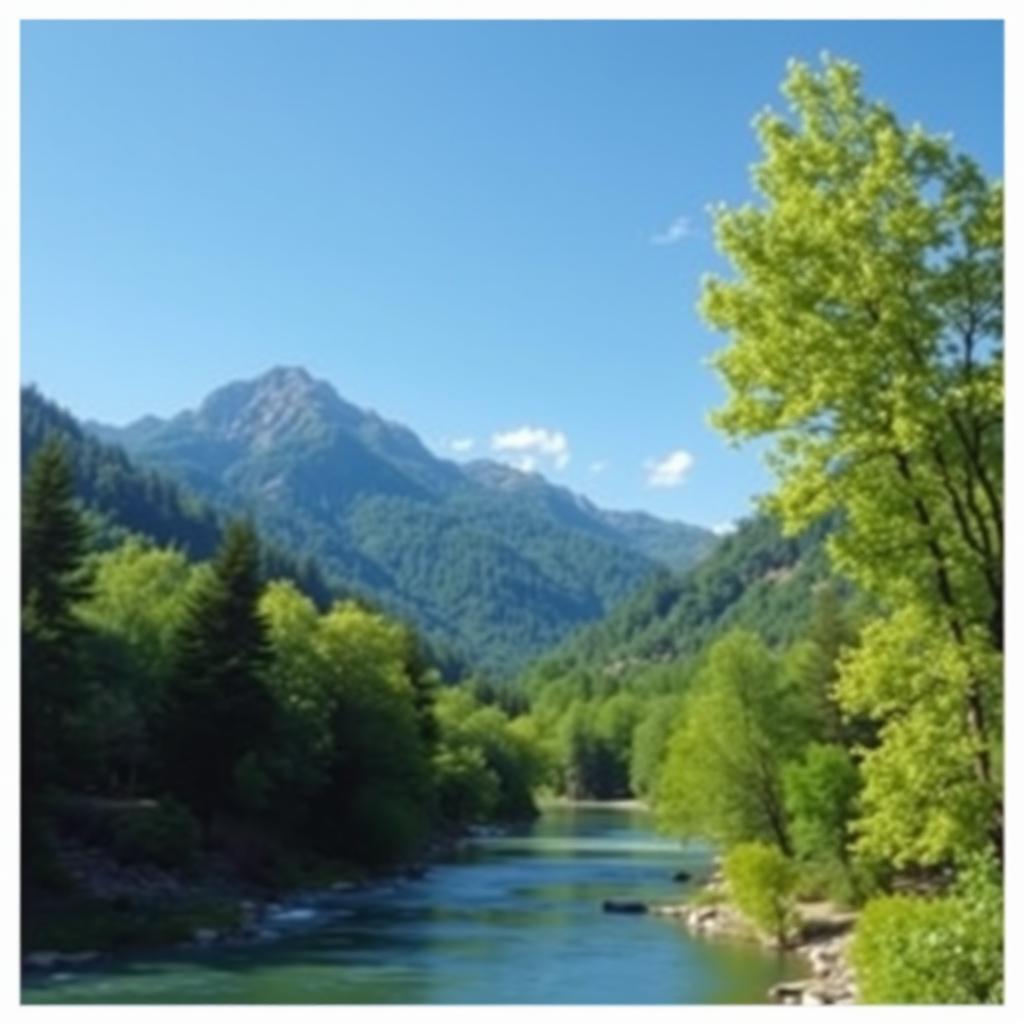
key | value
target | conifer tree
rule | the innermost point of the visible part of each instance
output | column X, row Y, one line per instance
column 53, row 545
column 218, row 706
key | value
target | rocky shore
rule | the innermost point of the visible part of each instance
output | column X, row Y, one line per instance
column 822, row 938
column 214, row 906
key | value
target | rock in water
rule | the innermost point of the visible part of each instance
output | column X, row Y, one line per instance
column 624, row 907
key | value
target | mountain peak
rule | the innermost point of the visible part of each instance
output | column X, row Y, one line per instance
column 283, row 402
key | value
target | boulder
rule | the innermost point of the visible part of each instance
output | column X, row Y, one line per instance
column 788, row 991
column 624, row 907
column 682, row 876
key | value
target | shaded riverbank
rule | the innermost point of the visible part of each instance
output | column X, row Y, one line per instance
column 509, row 919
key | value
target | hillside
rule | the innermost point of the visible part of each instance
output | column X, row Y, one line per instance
column 756, row 578
column 497, row 563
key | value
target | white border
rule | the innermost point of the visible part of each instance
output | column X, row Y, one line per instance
column 452, row 9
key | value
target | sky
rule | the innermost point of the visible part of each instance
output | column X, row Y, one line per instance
column 493, row 233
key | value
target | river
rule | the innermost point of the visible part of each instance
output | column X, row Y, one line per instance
column 515, row 919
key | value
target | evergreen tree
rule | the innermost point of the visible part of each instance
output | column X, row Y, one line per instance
column 218, row 706
column 53, row 545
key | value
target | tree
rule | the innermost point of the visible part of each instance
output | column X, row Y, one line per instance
column 820, row 791
column 134, row 613
column 218, row 706
column 53, row 546
column 722, row 776
column 866, row 335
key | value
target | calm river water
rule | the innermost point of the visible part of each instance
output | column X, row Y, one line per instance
column 514, row 920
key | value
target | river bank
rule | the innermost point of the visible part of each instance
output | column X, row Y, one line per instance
column 506, row 919
column 105, row 907
column 822, row 939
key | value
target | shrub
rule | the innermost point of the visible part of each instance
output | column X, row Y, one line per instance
column 948, row 949
column 166, row 834
column 762, row 881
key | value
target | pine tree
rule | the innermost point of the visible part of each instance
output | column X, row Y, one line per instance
column 53, row 546
column 218, row 706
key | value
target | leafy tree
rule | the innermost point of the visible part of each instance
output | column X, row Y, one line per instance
column 820, row 795
column 134, row 612
column 762, row 880
column 349, row 768
column 924, row 800
column 722, row 776
column 866, row 326
column 218, row 706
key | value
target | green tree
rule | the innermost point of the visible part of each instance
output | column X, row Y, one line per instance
column 821, row 790
column 722, row 775
column 53, row 546
column 218, row 706
column 866, row 335
column 134, row 612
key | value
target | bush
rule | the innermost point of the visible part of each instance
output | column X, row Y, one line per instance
column 762, row 881
column 166, row 834
column 949, row 949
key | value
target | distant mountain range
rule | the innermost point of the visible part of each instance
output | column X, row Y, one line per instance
column 498, row 564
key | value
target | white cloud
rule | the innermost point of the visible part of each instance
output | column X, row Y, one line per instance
column 528, row 446
column 723, row 529
column 462, row 444
column 670, row 471
column 679, row 229
column 598, row 466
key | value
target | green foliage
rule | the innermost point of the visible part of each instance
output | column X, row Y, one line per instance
column 867, row 336
column 349, row 769
column 948, row 949
column 467, row 790
column 166, row 834
column 508, row 753
column 649, row 743
column 762, row 881
column 924, row 799
column 755, row 579
column 218, row 706
column 722, row 776
column 821, row 790
column 53, row 539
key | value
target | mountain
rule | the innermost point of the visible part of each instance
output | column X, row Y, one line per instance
column 121, row 498
column 498, row 563
column 756, row 579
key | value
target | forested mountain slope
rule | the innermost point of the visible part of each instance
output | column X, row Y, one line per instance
column 124, row 498
column 755, row 578
column 497, row 563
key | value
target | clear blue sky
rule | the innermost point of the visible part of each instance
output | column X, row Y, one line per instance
column 451, row 222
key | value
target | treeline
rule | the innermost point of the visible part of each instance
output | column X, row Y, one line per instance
column 233, row 713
